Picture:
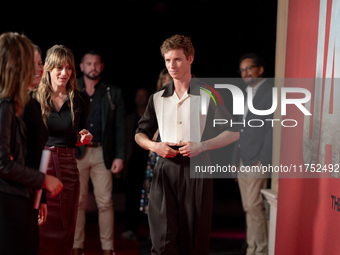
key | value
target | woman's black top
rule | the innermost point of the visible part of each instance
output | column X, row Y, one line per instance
column 62, row 133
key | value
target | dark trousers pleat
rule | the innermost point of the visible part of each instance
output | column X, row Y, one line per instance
column 180, row 209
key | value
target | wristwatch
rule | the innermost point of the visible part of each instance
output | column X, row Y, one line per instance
column 204, row 146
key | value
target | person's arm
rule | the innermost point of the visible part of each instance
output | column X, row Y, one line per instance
column 144, row 141
column 52, row 184
column 15, row 171
column 10, row 169
column 116, row 103
column 192, row 149
column 84, row 136
column 223, row 139
column 42, row 214
column 147, row 126
column 163, row 149
column 213, row 137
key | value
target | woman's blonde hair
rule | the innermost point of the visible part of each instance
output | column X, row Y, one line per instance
column 16, row 68
column 55, row 56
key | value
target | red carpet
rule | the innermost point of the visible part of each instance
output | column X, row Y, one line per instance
column 224, row 240
column 228, row 226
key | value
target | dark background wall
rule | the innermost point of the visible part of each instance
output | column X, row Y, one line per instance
column 129, row 33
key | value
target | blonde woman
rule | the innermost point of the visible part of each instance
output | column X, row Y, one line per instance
column 64, row 112
column 17, row 181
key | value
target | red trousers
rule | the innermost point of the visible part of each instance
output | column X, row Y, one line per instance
column 57, row 234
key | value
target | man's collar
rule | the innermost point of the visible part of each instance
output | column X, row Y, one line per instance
column 194, row 88
column 169, row 89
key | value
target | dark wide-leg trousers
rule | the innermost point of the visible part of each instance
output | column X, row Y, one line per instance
column 180, row 209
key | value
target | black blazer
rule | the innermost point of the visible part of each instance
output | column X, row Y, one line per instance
column 15, row 177
column 255, row 143
column 113, row 121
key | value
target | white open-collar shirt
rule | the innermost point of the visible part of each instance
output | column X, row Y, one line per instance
column 177, row 119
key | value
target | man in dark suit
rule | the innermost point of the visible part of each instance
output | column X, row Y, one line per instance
column 105, row 154
column 252, row 150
